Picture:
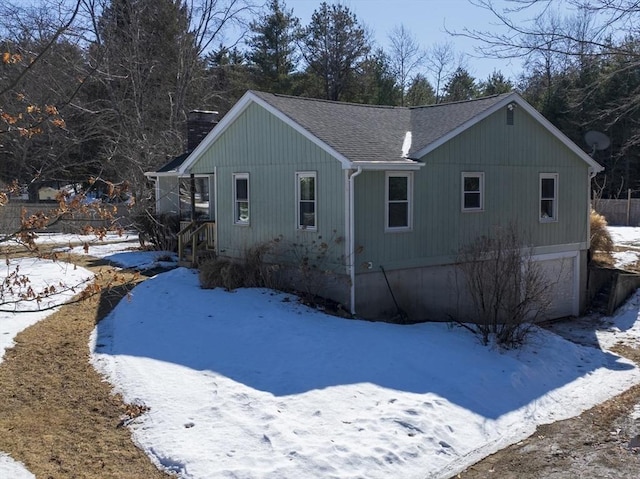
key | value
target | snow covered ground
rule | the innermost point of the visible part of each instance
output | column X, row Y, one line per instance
column 13, row 469
column 252, row 384
column 628, row 236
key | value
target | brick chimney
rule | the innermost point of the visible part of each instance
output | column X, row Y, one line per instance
column 199, row 123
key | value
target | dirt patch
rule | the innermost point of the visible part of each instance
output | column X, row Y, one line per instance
column 57, row 415
column 603, row 442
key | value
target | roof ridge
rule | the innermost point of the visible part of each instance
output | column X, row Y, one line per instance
column 369, row 105
column 332, row 102
column 471, row 100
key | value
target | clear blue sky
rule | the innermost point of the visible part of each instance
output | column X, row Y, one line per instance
column 426, row 20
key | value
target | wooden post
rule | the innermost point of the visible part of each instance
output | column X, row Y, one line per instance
column 628, row 206
column 193, row 197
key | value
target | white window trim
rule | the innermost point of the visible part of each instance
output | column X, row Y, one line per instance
column 553, row 176
column 299, row 176
column 472, row 174
column 236, row 177
column 409, row 176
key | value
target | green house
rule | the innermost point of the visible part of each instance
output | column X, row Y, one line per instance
column 375, row 191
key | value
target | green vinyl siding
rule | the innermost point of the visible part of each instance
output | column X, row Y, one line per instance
column 511, row 158
column 271, row 152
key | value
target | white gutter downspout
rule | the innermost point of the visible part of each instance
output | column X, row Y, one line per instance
column 592, row 174
column 352, row 239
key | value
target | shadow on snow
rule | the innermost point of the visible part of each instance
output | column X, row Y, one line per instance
column 267, row 341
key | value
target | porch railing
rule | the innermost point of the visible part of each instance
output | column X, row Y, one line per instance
column 194, row 239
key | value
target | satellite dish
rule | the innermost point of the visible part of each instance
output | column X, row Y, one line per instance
column 596, row 140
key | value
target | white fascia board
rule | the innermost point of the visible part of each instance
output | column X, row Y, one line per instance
column 521, row 102
column 153, row 174
column 409, row 165
column 237, row 109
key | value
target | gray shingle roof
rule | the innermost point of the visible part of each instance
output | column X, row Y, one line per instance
column 372, row 132
column 174, row 164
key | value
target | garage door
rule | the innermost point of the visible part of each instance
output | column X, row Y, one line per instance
column 562, row 274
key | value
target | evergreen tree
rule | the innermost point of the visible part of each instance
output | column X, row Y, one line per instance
column 334, row 47
column 461, row 86
column 228, row 78
column 272, row 53
column 378, row 85
column 420, row 92
column 495, row 84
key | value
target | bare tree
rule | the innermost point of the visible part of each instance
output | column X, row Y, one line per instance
column 42, row 71
column 440, row 63
column 149, row 56
column 28, row 34
column 405, row 55
column 521, row 32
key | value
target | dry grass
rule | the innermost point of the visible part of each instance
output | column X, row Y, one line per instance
column 57, row 415
column 600, row 238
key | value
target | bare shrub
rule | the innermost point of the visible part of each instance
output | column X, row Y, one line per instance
column 258, row 273
column 303, row 268
column 601, row 241
column 209, row 273
column 250, row 272
column 160, row 231
column 508, row 288
column 233, row 275
column 313, row 262
column 221, row 273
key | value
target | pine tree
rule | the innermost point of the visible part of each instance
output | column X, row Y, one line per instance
column 461, row 86
column 377, row 83
column 496, row 83
column 272, row 53
column 334, row 47
column 420, row 92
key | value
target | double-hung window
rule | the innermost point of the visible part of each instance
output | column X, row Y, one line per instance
column 306, row 197
column 548, row 197
column 241, row 208
column 472, row 191
column 398, row 192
